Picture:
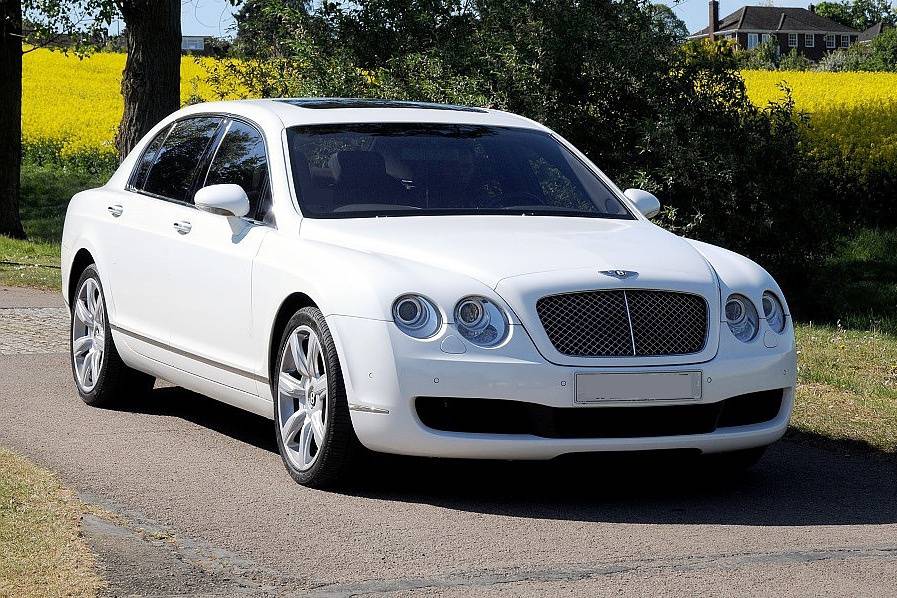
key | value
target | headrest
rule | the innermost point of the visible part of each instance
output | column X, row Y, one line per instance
column 357, row 165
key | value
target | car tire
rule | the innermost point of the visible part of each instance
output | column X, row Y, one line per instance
column 101, row 377
column 314, row 432
column 735, row 461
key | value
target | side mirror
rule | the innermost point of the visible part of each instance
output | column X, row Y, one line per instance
column 224, row 200
column 645, row 202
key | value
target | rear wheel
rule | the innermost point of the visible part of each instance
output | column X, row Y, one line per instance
column 102, row 378
column 314, row 432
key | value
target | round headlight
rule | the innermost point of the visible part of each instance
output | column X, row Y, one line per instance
column 481, row 321
column 471, row 313
column 416, row 316
column 742, row 317
column 773, row 312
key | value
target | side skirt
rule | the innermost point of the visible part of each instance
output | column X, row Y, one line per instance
column 204, row 386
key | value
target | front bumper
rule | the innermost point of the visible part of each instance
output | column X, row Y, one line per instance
column 385, row 371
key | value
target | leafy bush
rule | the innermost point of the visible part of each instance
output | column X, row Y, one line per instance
column 880, row 55
column 884, row 51
column 854, row 58
column 794, row 61
column 764, row 57
column 851, row 132
column 768, row 57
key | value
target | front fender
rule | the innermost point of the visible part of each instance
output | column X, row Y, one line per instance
column 738, row 274
column 347, row 282
column 350, row 282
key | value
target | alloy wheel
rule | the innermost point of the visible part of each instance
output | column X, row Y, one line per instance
column 302, row 397
column 88, row 334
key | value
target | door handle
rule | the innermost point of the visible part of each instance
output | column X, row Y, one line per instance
column 116, row 210
column 183, row 227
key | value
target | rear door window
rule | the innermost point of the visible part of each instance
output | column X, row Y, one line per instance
column 148, row 158
column 172, row 175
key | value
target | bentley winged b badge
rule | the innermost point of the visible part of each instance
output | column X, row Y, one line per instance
column 621, row 274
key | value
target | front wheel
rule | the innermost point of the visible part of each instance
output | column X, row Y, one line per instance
column 314, row 432
column 102, row 378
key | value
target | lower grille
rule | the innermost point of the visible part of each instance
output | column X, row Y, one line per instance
column 499, row 416
column 624, row 323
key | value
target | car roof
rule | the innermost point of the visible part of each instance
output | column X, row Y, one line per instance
column 310, row 111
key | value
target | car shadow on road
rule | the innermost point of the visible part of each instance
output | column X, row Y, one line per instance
column 172, row 401
column 805, row 479
column 802, row 480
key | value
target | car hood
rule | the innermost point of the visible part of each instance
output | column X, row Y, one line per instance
column 493, row 248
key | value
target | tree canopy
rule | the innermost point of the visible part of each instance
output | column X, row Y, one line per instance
column 859, row 14
column 609, row 75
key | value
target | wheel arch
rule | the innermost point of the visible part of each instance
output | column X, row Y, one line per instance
column 83, row 258
column 289, row 306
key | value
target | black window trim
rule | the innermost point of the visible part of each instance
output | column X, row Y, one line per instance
column 205, row 160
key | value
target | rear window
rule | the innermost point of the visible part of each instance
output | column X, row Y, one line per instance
column 396, row 169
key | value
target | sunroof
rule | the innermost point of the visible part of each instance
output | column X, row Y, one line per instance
column 327, row 103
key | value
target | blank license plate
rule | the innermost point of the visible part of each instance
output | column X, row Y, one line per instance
column 659, row 386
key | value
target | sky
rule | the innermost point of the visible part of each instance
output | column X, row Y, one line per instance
column 215, row 17
column 202, row 17
column 208, row 17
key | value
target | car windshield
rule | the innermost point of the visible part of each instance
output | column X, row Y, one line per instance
column 401, row 169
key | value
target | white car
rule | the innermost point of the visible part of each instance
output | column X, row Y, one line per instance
column 417, row 279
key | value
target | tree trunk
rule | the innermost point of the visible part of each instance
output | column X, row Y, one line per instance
column 10, row 117
column 152, row 76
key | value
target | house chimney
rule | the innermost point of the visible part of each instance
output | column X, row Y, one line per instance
column 812, row 8
column 713, row 18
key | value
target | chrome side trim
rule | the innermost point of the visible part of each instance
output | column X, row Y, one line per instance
column 189, row 355
column 366, row 408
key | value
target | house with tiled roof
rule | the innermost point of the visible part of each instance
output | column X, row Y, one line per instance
column 872, row 32
column 790, row 28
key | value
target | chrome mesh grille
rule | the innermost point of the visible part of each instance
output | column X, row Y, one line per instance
column 597, row 323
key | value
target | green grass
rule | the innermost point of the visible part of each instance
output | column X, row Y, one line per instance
column 847, row 385
column 33, row 264
column 856, row 288
column 46, row 191
column 41, row 550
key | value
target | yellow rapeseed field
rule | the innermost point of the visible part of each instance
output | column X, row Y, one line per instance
column 852, row 113
column 814, row 91
column 74, row 105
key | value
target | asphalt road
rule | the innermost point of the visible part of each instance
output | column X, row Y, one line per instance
column 201, row 504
